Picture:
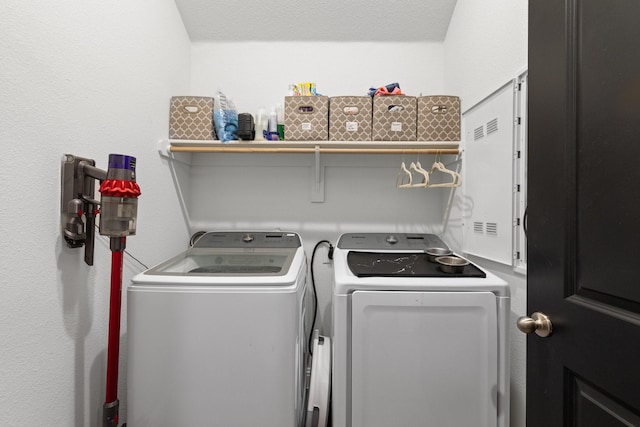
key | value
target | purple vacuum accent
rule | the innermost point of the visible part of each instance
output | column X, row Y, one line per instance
column 122, row 161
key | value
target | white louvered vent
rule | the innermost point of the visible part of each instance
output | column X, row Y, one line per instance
column 492, row 126
column 478, row 227
column 478, row 133
column 492, row 228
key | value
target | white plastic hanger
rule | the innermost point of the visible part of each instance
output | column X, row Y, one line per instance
column 424, row 182
column 404, row 178
column 456, row 179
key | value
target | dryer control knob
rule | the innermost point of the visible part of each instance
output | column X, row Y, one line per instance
column 392, row 240
column 247, row 238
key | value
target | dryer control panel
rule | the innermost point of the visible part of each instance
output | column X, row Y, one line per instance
column 390, row 241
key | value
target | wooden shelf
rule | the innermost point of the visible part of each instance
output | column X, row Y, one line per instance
column 330, row 147
column 169, row 150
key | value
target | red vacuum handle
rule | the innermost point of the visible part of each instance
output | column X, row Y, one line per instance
column 110, row 416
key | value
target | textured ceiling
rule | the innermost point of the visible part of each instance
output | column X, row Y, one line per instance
column 319, row 20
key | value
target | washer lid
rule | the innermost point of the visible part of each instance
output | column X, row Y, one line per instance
column 228, row 262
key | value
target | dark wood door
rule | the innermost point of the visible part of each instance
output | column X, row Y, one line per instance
column 584, row 212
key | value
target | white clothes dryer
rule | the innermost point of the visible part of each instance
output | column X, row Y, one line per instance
column 413, row 345
column 217, row 335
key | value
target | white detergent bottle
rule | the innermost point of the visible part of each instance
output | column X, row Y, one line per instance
column 261, row 123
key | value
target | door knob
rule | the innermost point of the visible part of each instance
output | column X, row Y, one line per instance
column 538, row 323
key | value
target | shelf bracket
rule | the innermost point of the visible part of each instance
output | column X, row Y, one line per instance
column 317, row 181
column 165, row 152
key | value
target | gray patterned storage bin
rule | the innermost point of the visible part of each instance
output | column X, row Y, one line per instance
column 439, row 118
column 394, row 118
column 306, row 118
column 191, row 117
column 350, row 118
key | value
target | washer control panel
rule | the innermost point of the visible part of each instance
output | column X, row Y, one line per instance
column 247, row 239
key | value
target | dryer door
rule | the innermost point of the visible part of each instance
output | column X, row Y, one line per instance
column 424, row 359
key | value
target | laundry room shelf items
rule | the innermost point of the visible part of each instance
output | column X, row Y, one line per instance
column 329, row 147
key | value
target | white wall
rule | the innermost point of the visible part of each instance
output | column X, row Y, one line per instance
column 87, row 78
column 486, row 46
column 258, row 74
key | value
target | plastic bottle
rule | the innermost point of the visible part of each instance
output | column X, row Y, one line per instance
column 280, row 121
column 261, row 123
column 272, row 128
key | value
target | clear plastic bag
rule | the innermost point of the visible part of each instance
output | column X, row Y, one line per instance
column 225, row 118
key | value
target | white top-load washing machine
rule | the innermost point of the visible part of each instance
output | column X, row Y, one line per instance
column 216, row 335
column 413, row 345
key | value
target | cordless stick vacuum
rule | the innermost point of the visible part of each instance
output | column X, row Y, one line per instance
column 118, row 211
